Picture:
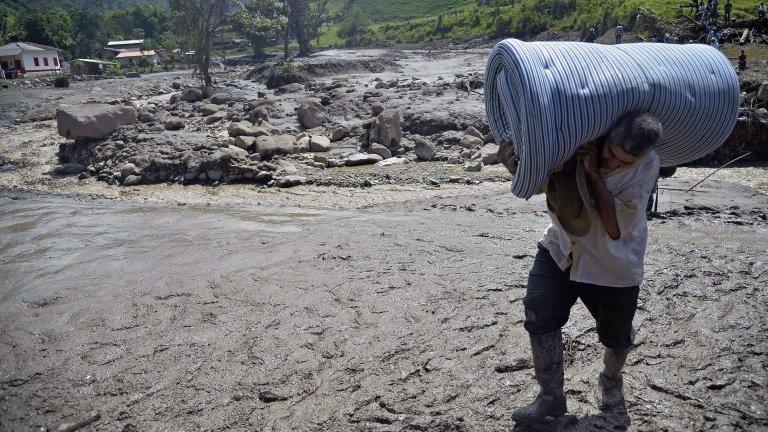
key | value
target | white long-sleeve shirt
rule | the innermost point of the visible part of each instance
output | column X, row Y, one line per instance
column 596, row 258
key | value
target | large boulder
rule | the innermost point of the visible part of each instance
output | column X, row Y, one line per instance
column 192, row 95
column 387, row 129
column 311, row 114
column 380, row 150
column 93, row 121
column 319, row 143
column 274, row 145
column 245, row 128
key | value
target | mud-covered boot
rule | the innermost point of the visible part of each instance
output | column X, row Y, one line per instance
column 547, row 350
column 611, row 381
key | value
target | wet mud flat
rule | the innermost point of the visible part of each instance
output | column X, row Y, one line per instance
column 393, row 316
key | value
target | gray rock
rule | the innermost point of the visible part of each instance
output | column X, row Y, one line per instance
column 221, row 98
column 319, row 143
column 219, row 116
column 380, row 150
column 489, row 138
column 339, row 133
column 127, row 170
column 473, row 132
column 192, row 95
column 272, row 145
column 93, row 121
column 245, row 128
column 69, row 169
column 174, row 123
column 362, row 159
column 471, row 141
column 488, row 154
column 289, row 88
column 311, row 114
column 424, row 148
column 245, row 142
column 131, row 180
column 289, row 181
column 258, row 114
column 146, row 117
column 387, row 129
column 209, row 109
column 133, row 75
column 214, row 175
column 473, row 166
column 235, row 151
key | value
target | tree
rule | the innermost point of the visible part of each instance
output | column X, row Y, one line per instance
column 354, row 28
column 48, row 27
column 88, row 32
column 304, row 21
column 200, row 19
column 262, row 22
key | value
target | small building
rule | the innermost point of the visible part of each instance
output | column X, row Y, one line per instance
column 90, row 67
column 27, row 58
column 126, row 45
column 137, row 58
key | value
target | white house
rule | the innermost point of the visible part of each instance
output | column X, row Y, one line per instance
column 27, row 58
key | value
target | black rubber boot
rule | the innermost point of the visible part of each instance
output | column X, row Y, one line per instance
column 611, row 381
column 547, row 350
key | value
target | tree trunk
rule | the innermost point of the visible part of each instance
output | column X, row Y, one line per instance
column 286, row 40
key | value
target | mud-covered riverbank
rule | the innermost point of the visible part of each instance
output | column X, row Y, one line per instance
column 398, row 316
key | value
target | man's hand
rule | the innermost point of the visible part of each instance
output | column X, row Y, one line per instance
column 508, row 158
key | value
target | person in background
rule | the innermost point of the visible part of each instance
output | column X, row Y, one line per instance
column 762, row 10
column 594, row 254
column 704, row 15
column 591, row 36
column 713, row 8
column 728, row 8
column 742, row 60
column 619, row 31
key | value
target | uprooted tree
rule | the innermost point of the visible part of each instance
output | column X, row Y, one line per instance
column 200, row 19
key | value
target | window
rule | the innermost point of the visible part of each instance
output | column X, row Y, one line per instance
column 45, row 61
column 37, row 61
column 56, row 61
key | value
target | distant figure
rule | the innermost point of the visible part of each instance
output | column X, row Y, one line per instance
column 728, row 7
column 695, row 5
column 713, row 7
column 704, row 19
column 652, row 39
column 713, row 38
column 619, row 33
column 742, row 60
column 591, row 36
column 762, row 10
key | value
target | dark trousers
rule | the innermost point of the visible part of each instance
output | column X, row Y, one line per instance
column 551, row 294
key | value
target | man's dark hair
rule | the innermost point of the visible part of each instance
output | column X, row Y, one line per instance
column 637, row 132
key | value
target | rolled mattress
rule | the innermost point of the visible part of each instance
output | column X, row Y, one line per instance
column 548, row 98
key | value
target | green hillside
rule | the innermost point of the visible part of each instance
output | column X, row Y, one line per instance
column 377, row 10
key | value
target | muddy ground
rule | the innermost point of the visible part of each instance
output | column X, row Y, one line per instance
column 337, row 306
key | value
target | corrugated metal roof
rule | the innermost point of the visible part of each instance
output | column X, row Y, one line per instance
column 126, row 54
column 16, row 48
column 126, row 42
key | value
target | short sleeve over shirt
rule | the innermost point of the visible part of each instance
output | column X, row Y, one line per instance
column 596, row 258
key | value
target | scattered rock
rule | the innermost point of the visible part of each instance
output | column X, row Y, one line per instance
column 209, row 109
column 288, row 182
column 362, row 159
column 128, row 169
column 377, row 108
column 69, row 169
column 192, row 95
column 245, row 142
column 73, row 425
column 93, row 121
column 488, row 154
column 61, row 82
column 339, row 133
column 221, row 98
column 311, row 114
column 132, row 180
column 473, row 166
column 133, row 75
column 271, row 145
column 268, row 396
column 289, row 88
column 380, row 150
column 319, row 143
column 424, row 148
column 472, row 131
column 471, row 141
column 173, row 124
column 245, row 128
column 387, row 129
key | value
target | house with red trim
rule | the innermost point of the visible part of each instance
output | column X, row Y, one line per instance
column 18, row 59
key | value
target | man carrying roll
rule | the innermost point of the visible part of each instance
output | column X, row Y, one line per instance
column 593, row 250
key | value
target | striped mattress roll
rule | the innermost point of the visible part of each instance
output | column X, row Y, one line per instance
column 548, row 98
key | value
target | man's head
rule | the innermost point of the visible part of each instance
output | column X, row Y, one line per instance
column 629, row 139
